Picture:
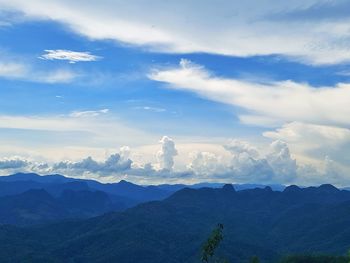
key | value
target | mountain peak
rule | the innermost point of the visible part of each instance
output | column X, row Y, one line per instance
column 268, row 188
column 328, row 188
column 228, row 187
column 292, row 189
column 124, row 182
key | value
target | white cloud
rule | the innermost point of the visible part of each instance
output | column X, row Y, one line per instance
column 13, row 163
column 55, row 76
column 248, row 164
column 206, row 163
column 263, row 104
column 24, row 71
column 237, row 147
column 71, row 56
column 112, row 165
column 314, row 134
column 89, row 130
column 329, row 172
column 149, row 108
column 281, row 161
column 229, row 27
column 12, row 70
column 90, row 113
column 167, row 153
column 311, row 141
column 124, row 153
column 244, row 165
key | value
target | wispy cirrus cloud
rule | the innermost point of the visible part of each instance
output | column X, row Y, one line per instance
column 55, row 76
column 12, row 70
column 316, row 32
column 150, row 108
column 270, row 104
column 68, row 55
column 88, row 128
column 25, row 72
column 89, row 113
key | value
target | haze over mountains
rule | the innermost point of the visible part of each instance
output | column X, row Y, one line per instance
column 257, row 221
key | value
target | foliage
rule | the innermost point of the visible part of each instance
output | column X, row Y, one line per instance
column 212, row 243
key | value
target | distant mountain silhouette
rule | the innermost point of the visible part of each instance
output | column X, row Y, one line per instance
column 134, row 193
column 238, row 187
column 55, row 184
column 258, row 222
column 122, row 192
column 37, row 206
column 53, row 178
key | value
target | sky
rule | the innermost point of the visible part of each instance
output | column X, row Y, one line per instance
column 176, row 92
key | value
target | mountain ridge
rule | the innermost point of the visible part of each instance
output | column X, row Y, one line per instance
column 259, row 222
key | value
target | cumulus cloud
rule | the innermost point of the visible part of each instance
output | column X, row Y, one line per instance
column 150, row 174
column 68, row 55
column 246, row 169
column 248, row 164
column 333, row 172
column 13, row 163
column 124, row 153
column 117, row 165
column 237, row 147
column 263, row 104
column 244, row 29
column 281, row 162
column 112, row 165
column 328, row 172
column 167, row 153
column 245, row 164
column 206, row 163
column 315, row 141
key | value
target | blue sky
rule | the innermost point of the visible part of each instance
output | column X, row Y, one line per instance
column 241, row 92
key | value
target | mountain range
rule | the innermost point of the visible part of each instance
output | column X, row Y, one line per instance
column 257, row 221
column 27, row 199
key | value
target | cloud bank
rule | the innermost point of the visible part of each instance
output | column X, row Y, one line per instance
column 245, row 164
column 114, row 164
